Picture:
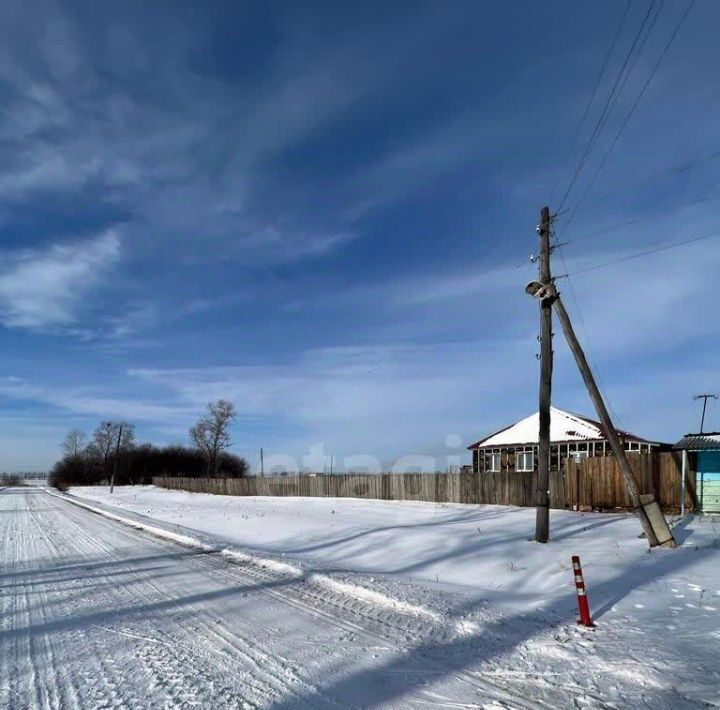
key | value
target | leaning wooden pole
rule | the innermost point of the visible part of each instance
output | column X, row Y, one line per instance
column 611, row 432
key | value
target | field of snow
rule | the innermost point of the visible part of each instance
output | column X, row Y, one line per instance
column 474, row 567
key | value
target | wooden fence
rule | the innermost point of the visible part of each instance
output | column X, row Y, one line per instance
column 596, row 483
column 591, row 484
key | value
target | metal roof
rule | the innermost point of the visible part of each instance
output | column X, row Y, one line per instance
column 700, row 442
column 564, row 426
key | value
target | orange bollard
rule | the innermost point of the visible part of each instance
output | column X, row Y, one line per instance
column 583, row 606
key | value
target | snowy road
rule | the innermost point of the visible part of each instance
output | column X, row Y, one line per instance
column 96, row 614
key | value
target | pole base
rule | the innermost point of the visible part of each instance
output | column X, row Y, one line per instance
column 657, row 522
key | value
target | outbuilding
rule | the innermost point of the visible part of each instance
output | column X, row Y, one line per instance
column 701, row 453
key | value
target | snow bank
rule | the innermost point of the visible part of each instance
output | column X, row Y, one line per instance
column 469, row 548
column 282, row 568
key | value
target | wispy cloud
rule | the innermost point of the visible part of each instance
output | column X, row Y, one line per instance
column 363, row 400
column 94, row 402
column 194, row 165
column 44, row 288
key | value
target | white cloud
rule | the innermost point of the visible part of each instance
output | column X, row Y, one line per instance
column 44, row 288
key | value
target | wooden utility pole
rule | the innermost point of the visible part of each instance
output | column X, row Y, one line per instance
column 610, row 431
column 262, row 464
column 542, row 490
column 704, row 398
column 115, row 463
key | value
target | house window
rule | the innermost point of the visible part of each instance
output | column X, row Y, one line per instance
column 554, row 457
column 578, row 455
column 524, row 461
column 492, row 463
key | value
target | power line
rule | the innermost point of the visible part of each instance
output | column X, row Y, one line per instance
column 675, row 169
column 612, row 228
column 600, row 122
column 590, row 352
column 591, row 100
column 646, row 32
column 626, row 70
column 653, row 72
column 599, row 126
column 648, row 252
column 695, row 200
column 612, row 100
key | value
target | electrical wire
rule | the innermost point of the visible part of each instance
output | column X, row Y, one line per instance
column 588, row 345
column 625, row 71
column 675, row 169
column 612, row 228
column 646, row 32
column 601, row 120
column 591, row 100
column 648, row 252
column 639, row 97
column 601, row 124
column 616, row 418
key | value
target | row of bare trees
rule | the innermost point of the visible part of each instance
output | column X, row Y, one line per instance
column 112, row 453
column 109, row 437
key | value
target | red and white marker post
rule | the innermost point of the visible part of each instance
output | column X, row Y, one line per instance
column 583, row 606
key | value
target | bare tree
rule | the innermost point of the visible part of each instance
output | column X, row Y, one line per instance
column 103, row 438
column 212, row 433
column 74, row 443
column 112, row 436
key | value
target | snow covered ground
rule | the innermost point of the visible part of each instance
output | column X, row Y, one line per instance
column 465, row 561
column 293, row 603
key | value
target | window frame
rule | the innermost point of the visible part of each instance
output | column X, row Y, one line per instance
column 491, row 455
column 524, row 455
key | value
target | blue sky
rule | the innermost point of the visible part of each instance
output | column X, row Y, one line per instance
column 324, row 211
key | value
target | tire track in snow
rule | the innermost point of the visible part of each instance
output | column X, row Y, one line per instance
column 382, row 627
column 40, row 669
column 171, row 670
column 185, row 650
column 61, row 690
column 271, row 676
column 29, row 689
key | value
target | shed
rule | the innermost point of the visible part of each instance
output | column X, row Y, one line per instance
column 705, row 448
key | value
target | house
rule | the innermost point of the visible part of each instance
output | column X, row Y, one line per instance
column 705, row 450
column 515, row 448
